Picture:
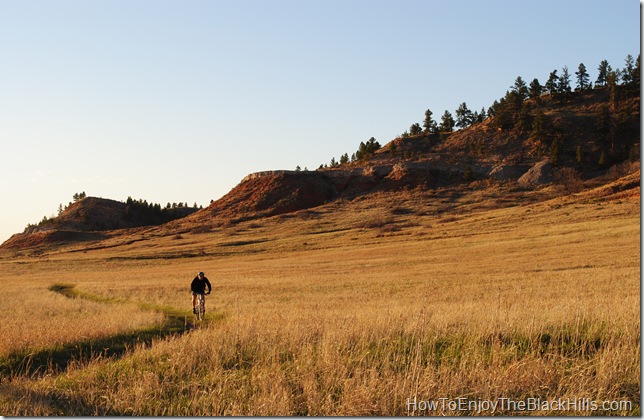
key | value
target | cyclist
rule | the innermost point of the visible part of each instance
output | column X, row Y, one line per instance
column 198, row 287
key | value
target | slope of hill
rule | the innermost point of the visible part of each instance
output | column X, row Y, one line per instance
column 573, row 123
column 277, row 192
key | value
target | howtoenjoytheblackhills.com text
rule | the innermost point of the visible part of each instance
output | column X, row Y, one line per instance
column 417, row 405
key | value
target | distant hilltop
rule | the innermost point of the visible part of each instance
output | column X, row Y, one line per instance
column 88, row 218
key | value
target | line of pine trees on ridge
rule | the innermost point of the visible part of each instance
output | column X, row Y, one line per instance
column 137, row 213
column 510, row 110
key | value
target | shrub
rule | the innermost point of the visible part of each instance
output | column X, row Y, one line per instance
column 569, row 178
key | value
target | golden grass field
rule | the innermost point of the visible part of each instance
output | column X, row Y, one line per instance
column 353, row 308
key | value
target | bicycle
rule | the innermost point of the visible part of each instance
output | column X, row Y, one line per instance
column 201, row 306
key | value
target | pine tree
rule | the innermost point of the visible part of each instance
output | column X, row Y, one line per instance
column 602, row 121
column 523, row 120
column 538, row 124
column 447, row 123
column 636, row 76
column 582, row 77
column 415, row 129
column 521, row 89
column 393, row 149
column 602, row 159
column 634, row 153
column 428, row 123
column 475, row 117
column 603, row 70
column 553, row 156
column 628, row 74
column 535, row 89
column 611, row 84
column 367, row 149
column 552, row 85
column 482, row 115
column 564, row 81
column 507, row 110
column 491, row 111
column 464, row 117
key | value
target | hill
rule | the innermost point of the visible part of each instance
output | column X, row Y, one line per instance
column 567, row 149
column 571, row 139
column 93, row 218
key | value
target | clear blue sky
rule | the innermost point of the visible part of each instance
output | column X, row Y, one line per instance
column 176, row 101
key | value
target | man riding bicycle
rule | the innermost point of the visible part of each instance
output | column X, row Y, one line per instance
column 198, row 287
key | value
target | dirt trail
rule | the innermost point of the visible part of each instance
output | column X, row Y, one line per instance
column 56, row 359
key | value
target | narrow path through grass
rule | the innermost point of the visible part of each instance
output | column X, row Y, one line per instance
column 57, row 358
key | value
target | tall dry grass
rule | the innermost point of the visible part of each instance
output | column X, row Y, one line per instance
column 528, row 302
column 34, row 317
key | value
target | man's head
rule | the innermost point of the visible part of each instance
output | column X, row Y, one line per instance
column 201, row 274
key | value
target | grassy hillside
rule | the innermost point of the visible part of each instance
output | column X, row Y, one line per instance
column 357, row 307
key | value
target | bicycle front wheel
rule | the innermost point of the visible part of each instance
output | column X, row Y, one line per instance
column 201, row 309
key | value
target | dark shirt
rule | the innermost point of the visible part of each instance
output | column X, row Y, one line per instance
column 199, row 286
